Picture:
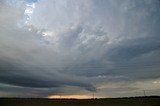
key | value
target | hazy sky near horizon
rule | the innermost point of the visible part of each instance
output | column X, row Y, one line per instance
column 77, row 47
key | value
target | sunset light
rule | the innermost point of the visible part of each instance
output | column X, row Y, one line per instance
column 70, row 97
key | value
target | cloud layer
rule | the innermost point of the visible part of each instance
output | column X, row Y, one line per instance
column 84, row 46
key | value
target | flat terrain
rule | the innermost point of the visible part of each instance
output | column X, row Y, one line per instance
column 135, row 101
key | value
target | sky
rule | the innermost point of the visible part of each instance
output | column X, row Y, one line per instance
column 77, row 48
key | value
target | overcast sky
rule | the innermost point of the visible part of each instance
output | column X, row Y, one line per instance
column 79, row 47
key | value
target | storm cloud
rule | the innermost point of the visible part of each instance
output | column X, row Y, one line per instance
column 51, row 46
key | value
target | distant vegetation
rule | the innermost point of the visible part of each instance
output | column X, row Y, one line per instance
column 134, row 101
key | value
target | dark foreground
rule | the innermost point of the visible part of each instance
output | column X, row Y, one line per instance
column 136, row 101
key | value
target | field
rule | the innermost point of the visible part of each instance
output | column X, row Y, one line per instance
column 135, row 101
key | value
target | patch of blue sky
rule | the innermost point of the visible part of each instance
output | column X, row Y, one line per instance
column 14, row 2
column 31, row 1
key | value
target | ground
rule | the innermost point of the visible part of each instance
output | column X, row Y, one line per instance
column 134, row 101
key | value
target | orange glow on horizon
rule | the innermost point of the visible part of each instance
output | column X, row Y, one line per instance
column 70, row 97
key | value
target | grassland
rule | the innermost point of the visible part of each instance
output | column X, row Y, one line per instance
column 136, row 101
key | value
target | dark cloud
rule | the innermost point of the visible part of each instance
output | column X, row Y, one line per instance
column 28, row 77
column 62, row 46
column 133, row 48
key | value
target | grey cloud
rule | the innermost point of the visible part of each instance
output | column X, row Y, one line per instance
column 132, row 48
column 87, row 46
column 26, row 76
